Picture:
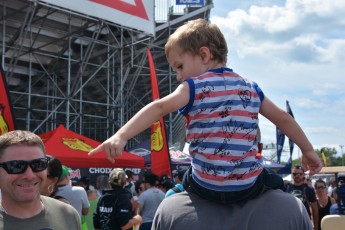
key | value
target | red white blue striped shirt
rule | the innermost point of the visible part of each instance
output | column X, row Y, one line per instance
column 222, row 120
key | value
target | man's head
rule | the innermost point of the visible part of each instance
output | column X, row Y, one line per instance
column 18, row 138
column 23, row 165
column 64, row 178
column 117, row 177
column 298, row 175
column 198, row 33
column 129, row 174
column 150, row 180
column 178, row 175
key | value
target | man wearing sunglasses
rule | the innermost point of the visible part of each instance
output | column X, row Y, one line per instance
column 23, row 165
column 306, row 194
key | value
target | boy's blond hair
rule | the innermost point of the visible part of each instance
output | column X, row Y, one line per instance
column 198, row 33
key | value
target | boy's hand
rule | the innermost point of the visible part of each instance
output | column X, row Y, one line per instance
column 311, row 162
column 112, row 147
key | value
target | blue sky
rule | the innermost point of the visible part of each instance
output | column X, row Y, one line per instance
column 295, row 51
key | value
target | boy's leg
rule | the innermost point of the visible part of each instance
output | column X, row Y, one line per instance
column 272, row 180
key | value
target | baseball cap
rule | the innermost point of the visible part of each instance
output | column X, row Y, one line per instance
column 65, row 172
column 117, row 175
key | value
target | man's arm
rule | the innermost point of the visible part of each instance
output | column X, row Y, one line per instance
column 136, row 220
column 315, row 214
column 84, row 211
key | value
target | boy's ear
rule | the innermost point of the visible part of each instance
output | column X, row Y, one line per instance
column 205, row 54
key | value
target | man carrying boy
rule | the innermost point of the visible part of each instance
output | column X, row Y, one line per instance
column 222, row 111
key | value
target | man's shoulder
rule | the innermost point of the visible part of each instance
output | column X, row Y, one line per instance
column 55, row 204
column 270, row 206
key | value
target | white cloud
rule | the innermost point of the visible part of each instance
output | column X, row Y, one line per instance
column 295, row 50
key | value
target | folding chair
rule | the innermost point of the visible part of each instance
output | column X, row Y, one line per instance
column 333, row 222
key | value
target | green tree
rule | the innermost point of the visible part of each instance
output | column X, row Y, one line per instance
column 330, row 154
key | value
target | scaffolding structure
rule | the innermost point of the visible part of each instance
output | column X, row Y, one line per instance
column 90, row 75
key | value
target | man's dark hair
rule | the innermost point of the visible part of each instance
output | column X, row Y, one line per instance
column 298, row 167
column 151, row 178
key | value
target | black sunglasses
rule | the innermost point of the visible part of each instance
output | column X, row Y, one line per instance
column 20, row 166
column 320, row 187
column 297, row 174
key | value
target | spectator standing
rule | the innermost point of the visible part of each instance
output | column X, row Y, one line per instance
column 76, row 195
column 114, row 209
column 324, row 201
column 178, row 176
column 85, row 183
column 149, row 200
column 23, row 165
column 54, row 171
column 332, row 186
column 130, row 183
column 93, row 200
column 165, row 183
column 305, row 193
column 339, row 196
column 139, row 188
column 102, row 183
column 273, row 210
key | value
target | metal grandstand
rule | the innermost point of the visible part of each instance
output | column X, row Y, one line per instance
column 90, row 75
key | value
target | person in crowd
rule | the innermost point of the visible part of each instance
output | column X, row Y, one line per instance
column 332, row 186
column 222, row 111
column 114, row 208
column 324, row 201
column 102, row 183
column 76, row 195
column 130, row 183
column 272, row 210
column 309, row 182
column 85, row 183
column 339, row 196
column 165, row 183
column 93, row 200
column 178, row 177
column 305, row 193
column 149, row 200
column 54, row 171
column 23, row 165
column 139, row 187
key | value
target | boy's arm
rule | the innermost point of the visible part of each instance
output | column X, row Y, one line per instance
column 142, row 120
column 287, row 124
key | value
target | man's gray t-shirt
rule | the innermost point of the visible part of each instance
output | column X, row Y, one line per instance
column 150, row 200
column 272, row 210
column 55, row 215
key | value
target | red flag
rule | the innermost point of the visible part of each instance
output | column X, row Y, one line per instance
column 160, row 158
column 7, row 121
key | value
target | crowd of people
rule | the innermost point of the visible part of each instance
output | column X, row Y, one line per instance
column 318, row 198
column 226, row 187
column 35, row 185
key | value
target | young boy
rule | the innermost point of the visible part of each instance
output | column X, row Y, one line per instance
column 222, row 110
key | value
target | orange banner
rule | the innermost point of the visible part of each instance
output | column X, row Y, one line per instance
column 7, row 120
column 160, row 157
